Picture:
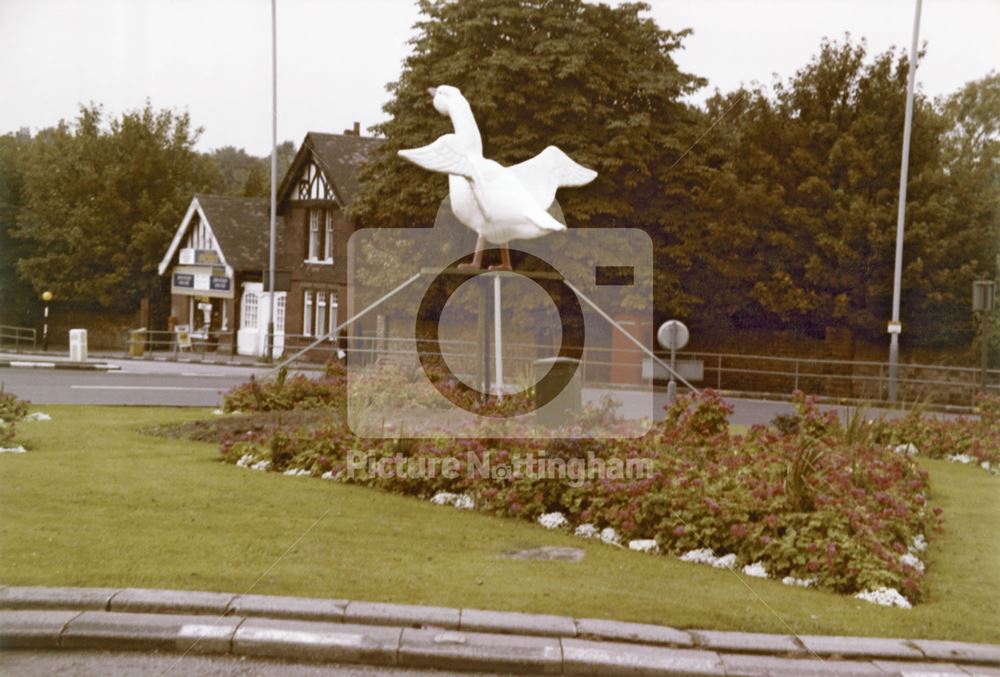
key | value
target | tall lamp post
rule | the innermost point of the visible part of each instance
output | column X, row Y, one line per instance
column 274, row 178
column 895, row 327
column 46, row 296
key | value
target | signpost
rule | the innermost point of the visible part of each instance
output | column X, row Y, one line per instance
column 183, row 337
column 673, row 335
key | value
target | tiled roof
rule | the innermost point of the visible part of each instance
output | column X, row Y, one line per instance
column 242, row 226
column 339, row 156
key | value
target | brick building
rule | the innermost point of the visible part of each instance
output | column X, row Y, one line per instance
column 217, row 261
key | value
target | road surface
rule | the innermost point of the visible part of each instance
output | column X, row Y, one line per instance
column 202, row 385
column 124, row 663
column 137, row 382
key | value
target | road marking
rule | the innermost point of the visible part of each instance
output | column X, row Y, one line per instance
column 299, row 636
column 205, row 631
column 44, row 365
column 82, row 387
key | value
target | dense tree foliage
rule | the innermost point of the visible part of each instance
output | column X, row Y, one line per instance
column 597, row 81
column 248, row 175
column 802, row 206
column 101, row 203
column 772, row 210
column 13, row 288
column 88, row 208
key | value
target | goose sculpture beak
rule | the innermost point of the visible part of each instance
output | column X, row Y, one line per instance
column 432, row 91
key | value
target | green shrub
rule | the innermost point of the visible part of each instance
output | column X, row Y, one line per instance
column 284, row 393
column 12, row 408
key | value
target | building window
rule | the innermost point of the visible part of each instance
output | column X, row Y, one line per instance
column 314, row 235
column 249, row 312
column 279, row 315
column 307, row 311
column 320, row 312
column 328, row 238
column 333, row 316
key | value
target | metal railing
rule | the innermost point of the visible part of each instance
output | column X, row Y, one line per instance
column 601, row 366
column 750, row 374
column 142, row 341
column 17, row 336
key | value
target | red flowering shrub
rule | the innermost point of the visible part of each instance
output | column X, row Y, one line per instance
column 977, row 437
column 283, row 393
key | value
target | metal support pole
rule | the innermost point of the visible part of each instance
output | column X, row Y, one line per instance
column 269, row 339
column 45, row 330
column 497, row 338
column 897, row 276
column 672, row 384
column 986, row 322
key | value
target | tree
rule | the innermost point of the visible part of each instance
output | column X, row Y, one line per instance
column 17, row 297
column 248, row 175
column 101, row 203
column 597, row 81
column 972, row 166
column 809, row 192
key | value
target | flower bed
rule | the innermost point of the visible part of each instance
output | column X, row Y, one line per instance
column 964, row 440
column 819, row 503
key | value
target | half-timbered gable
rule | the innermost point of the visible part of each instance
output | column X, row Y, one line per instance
column 317, row 188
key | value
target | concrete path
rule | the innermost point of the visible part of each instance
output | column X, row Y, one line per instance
column 421, row 637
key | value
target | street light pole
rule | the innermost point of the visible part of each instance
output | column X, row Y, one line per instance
column 897, row 278
column 46, row 296
column 272, row 299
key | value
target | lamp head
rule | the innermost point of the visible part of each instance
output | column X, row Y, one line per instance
column 46, row 296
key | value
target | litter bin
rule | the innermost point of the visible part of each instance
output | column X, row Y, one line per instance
column 563, row 394
column 137, row 342
column 78, row 345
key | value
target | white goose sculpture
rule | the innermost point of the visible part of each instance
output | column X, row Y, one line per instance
column 499, row 203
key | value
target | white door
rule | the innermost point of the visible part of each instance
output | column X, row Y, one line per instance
column 249, row 338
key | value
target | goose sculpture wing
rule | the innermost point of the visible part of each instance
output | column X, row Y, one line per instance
column 445, row 155
column 548, row 171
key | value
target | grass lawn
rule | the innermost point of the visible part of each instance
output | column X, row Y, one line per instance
column 96, row 503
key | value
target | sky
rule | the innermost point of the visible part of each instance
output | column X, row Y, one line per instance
column 212, row 58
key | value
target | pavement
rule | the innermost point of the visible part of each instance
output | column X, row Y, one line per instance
column 35, row 620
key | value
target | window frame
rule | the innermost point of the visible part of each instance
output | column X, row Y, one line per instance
column 328, row 236
column 313, row 236
column 320, row 305
column 307, row 311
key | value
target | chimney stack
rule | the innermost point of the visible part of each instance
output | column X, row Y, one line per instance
column 356, row 131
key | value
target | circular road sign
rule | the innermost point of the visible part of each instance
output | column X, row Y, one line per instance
column 672, row 335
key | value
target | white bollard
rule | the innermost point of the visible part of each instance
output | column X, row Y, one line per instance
column 78, row 345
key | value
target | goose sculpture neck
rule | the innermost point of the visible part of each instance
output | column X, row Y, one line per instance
column 465, row 125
